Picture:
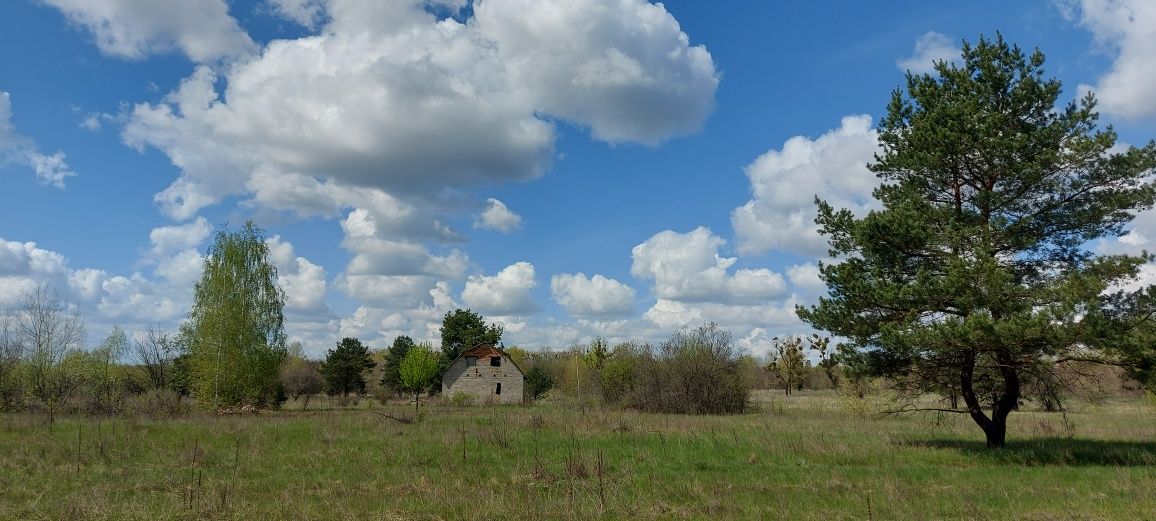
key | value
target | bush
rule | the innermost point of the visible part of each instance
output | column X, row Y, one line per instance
column 538, row 382
column 694, row 372
column 157, row 403
column 461, row 399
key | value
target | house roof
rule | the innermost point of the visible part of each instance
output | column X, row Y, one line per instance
column 482, row 351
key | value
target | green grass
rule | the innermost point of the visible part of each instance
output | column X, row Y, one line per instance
column 799, row 458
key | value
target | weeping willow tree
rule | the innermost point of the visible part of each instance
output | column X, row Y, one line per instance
column 235, row 332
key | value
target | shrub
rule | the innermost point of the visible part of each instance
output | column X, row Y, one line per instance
column 538, row 382
column 461, row 399
column 694, row 372
column 157, row 403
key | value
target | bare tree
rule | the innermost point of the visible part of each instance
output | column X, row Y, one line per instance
column 49, row 331
column 300, row 377
column 11, row 351
column 155, row 351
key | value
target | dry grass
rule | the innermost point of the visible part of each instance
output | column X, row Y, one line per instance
column 804, row 457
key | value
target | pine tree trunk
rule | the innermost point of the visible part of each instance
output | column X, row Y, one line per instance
column 995, row 427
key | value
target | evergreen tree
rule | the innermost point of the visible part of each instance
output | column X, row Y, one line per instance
column 977, row 268
column 463, row 329
column 344, row 368
column 235, row 332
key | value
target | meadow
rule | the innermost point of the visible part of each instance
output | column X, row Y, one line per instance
column 803, row 457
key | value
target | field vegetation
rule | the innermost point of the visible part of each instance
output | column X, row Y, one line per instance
column 810, row 456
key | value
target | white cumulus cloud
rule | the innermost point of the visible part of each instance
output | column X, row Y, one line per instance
column 687, row 267
column 387, row 97
column 781, row 213
column 135, row 29
column 1127, row 30
column 506, row 293
column 51, row 169
column 498, row 217
column 593, row 297
column 930, row 48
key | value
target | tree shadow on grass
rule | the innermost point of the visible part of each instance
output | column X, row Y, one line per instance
column 1053, row 451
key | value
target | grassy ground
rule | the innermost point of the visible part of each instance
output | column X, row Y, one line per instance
column 800, row 458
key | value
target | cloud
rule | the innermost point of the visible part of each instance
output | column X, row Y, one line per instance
column 1127, row 30
column 307, row 13
column 167, row 240
column 389, row 98
column 389, row 270
column 506, row 293
column 594, row 297
column 304, row 282
column 806, row 277
column 623, row 68
column 498, row 217
column 930, row 48
column 14, row 148
column 135, row 29
column 101, row 297
column 781, row 213
column 686, row 267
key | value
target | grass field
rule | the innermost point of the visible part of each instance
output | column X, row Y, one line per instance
column 800, row 458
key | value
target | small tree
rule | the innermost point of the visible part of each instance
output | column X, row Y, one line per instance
column 344, row 368
column 391, row 370
column 788, row 361
column 50, row 331
column 418, row 368
column 106, row 376
column 538, row 382
column 155, row 350
column 300, row 377
column 464, row 329
column 11, row 351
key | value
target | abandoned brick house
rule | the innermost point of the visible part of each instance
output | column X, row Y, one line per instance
column 487, row 373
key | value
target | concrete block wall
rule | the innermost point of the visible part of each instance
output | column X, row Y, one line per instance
column 481, row 381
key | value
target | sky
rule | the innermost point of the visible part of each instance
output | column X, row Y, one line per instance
column 568, row 168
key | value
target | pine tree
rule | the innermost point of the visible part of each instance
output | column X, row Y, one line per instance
column 978, row 270
column 344, row 368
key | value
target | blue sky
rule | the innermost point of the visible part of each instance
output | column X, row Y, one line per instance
column 570, row 168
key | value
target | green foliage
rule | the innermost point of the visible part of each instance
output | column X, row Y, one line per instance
column 344, row 368
column 976, row 269
column 106, row 390
column 463, row 329
column 461, row 399
column 391, row 366
column 538, row 382
column 597, row 354
column 616, row 379
column 418, row 369
column 235, row 332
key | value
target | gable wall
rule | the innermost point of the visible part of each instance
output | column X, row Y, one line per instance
column 481, row 380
